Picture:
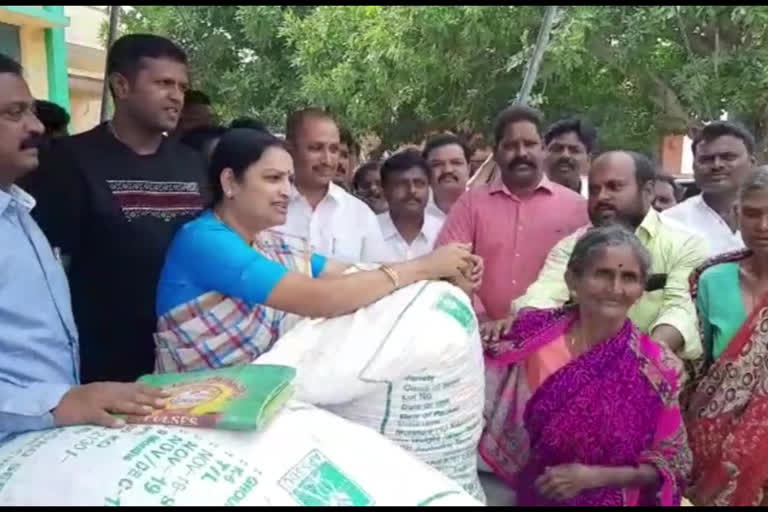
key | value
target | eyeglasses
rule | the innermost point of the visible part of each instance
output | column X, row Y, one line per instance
column 17, row 111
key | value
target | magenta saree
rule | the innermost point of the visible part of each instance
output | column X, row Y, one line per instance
column 615, row 405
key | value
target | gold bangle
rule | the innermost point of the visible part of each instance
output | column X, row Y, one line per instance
column 392, row 274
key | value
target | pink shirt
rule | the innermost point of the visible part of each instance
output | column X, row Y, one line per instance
column 513, row 235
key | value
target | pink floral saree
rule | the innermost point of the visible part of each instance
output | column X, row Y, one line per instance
column 615, row 405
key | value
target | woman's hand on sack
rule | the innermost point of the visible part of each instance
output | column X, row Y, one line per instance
column 449, row 261
column 566, row 481
column 493, row 330
column 92, row 403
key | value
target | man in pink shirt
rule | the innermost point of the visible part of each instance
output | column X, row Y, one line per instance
column 513, row 221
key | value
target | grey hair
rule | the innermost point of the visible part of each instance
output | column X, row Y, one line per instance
column 596, row 239
column 756, row 181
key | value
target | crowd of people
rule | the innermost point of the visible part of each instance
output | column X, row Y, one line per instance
column 618, row 371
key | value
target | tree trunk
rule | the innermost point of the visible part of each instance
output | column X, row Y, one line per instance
column 541, row 45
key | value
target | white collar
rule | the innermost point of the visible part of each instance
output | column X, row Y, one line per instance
column 335, row 192
column 17, row 194
column 389, row 230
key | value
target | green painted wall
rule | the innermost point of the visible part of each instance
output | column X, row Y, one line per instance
column 56, row 55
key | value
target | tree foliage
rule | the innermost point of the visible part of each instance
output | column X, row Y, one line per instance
column 403, row 71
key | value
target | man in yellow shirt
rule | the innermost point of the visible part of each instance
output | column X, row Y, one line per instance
column 620, row 190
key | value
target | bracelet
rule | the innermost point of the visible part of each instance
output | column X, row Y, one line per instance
column 392, row 274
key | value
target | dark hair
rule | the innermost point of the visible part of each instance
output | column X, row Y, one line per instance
column 296, row 120
column 445, row 140
column 516, row 114
column 198, row 138
column 250, row 123
column 756, row 181
column 195, row 97
column 719, row 129
column 53, row 117
column 478, row 141
column 669, row 180
column 346, row 138
column 401, row 162
column 597, row 239
column 364, row 168
column 583, row 129
column 8, row 65
column 645, row 168
column 237, row 150
column 125, row 55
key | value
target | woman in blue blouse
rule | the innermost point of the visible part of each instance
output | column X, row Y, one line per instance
column 229, row 282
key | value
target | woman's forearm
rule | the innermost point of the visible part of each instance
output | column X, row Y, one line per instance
column 644, row 475
column 341, row 294
column 334, row 268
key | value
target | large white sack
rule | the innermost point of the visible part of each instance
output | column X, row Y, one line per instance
column 409, row 366
column 306, row 456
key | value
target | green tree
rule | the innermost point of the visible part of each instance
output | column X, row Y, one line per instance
column 404, row 71
column 236, row 54
column 666, row 69
column 401, row 72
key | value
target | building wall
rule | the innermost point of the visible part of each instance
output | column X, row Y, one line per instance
column 86, row 111
column 41, row 50
column 32, row 52
column 86, row 62
column 676, row 155
column 34, row 60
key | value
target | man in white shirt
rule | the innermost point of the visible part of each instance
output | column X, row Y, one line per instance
column 336, row 224
column 408, row 231
column 448, row 160
column 723, row 155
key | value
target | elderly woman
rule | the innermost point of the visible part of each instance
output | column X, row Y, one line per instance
column 221, row 303
column 582, row 408
column 727, row 418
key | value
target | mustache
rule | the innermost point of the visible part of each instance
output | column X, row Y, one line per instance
column 605, row 206
column 566, row 161
column 34, row 141
column 446, row 175
column 520, row 161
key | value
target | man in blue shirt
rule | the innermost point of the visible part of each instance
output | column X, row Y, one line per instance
column 39, row 360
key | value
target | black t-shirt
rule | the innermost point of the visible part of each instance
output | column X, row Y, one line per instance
column 113, row 214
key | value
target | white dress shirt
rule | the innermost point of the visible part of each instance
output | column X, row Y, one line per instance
column 696, row 216
column 342, row 227
column 397, row 249
column 434, row 210
column 584, row 186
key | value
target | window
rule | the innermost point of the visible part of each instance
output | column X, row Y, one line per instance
column 9, row 41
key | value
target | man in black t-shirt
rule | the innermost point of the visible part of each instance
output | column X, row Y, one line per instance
column 111, row 199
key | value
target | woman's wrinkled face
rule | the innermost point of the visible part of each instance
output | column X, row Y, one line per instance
column 261, row 195
column 752, row 212
column 610, row 284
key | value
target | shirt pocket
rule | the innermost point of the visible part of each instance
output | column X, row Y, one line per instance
column 647, row 309
column 347, row 249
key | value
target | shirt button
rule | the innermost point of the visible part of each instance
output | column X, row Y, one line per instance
column 517, row 255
